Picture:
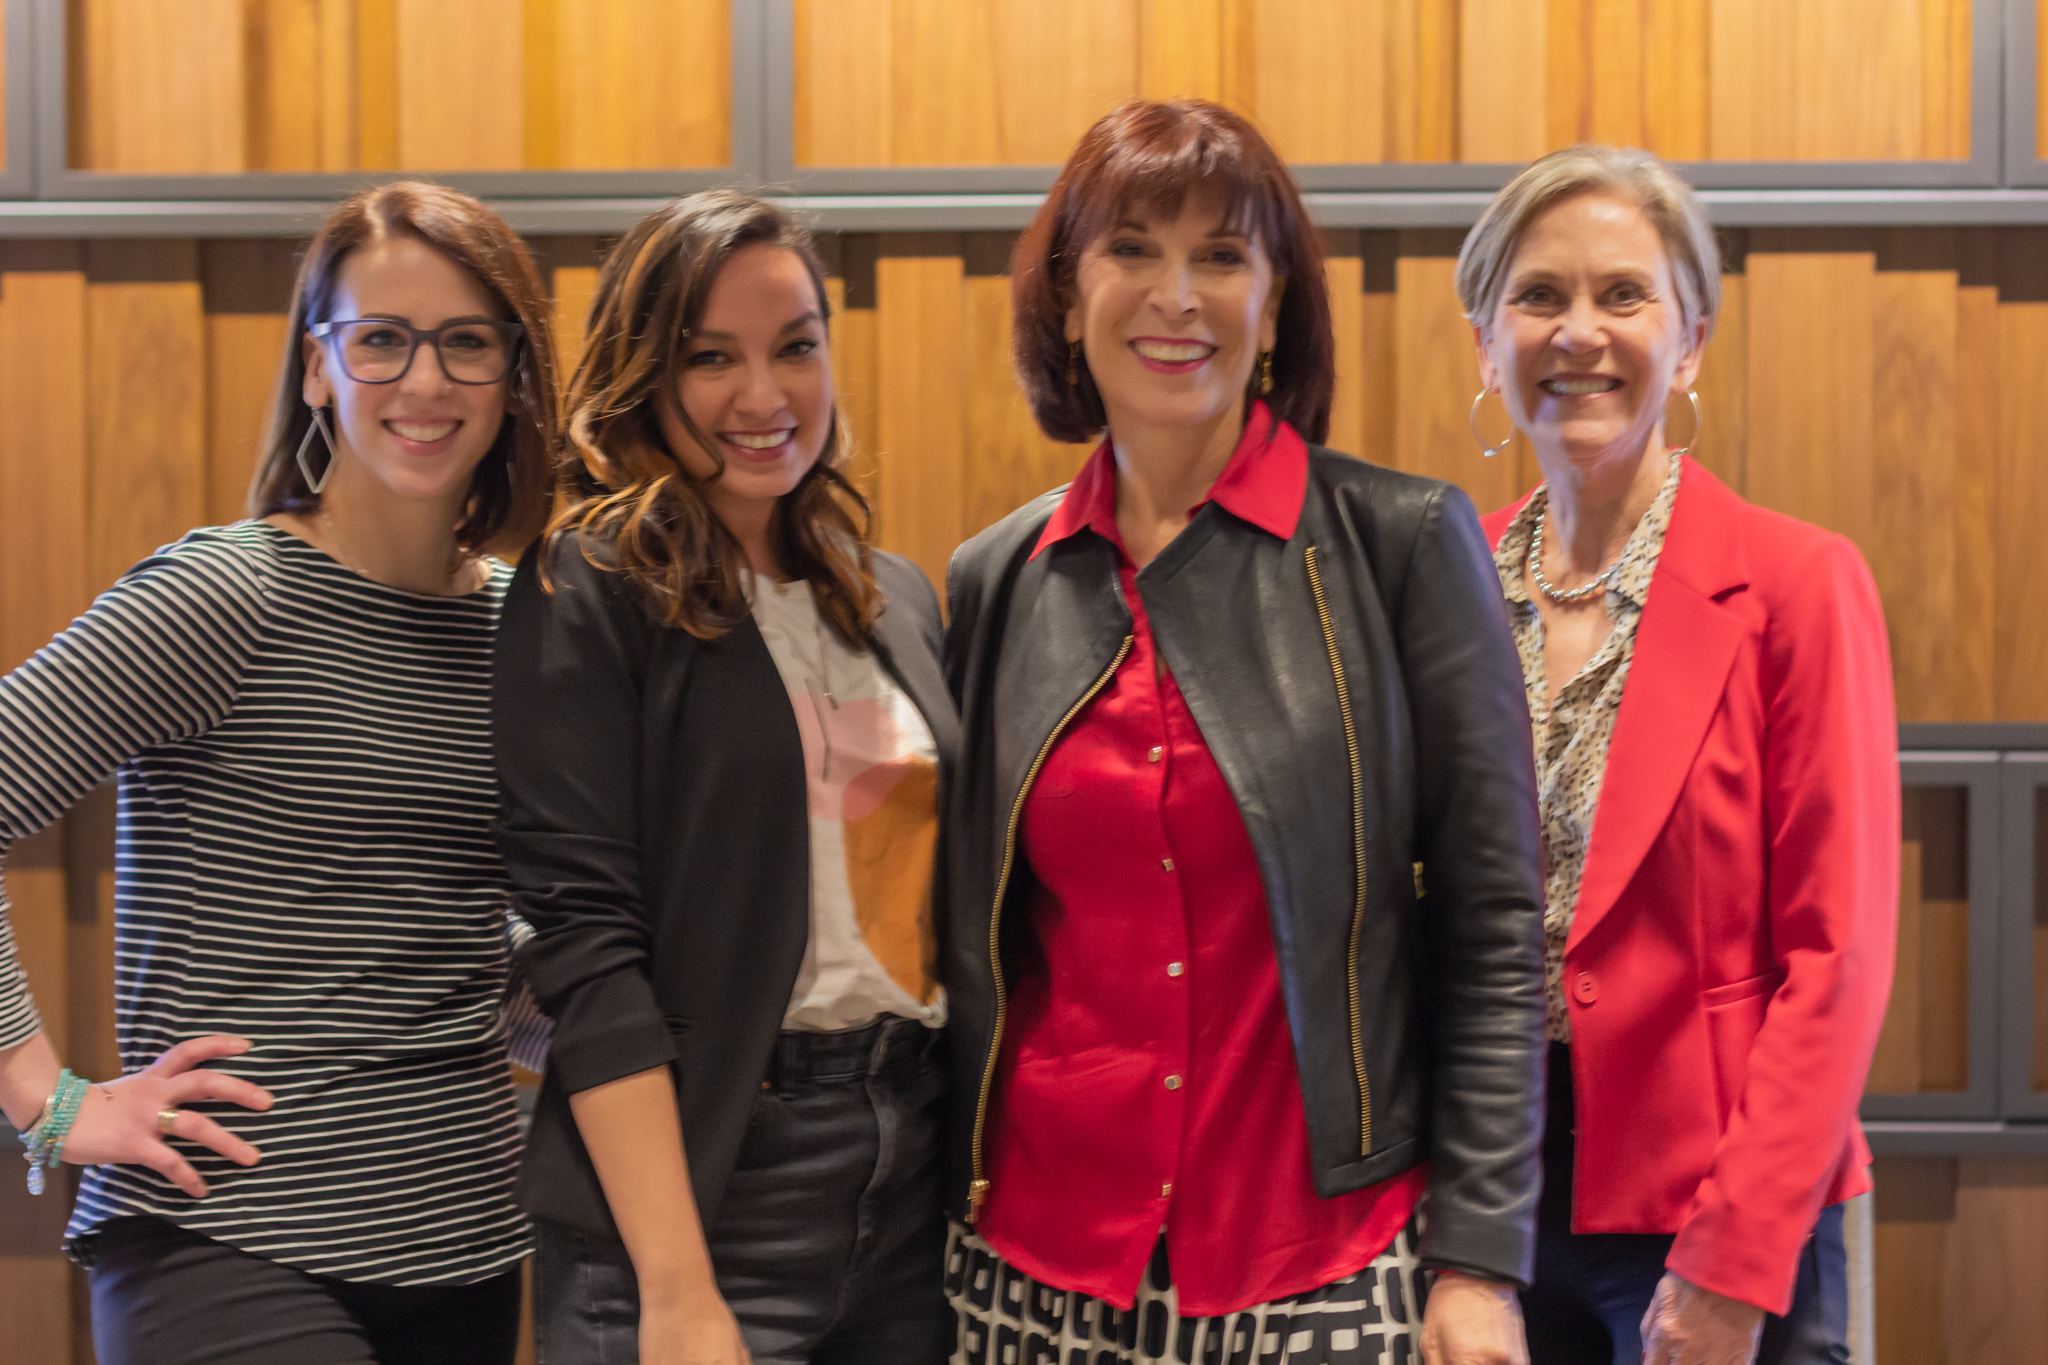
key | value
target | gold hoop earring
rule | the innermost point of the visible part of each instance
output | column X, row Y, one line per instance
column 1697, row 418
column 1265, row 373
column 1491, row 448
column 1073, row 364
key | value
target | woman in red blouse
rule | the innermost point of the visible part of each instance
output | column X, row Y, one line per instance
column 1244, row 943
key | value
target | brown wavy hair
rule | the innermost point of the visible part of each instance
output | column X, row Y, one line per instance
column 1150, row 155
column 509, row 492
column 626, row 494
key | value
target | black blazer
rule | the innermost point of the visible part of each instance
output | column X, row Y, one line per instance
column 654, row 827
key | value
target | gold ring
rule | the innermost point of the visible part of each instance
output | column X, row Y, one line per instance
column 164, row 1119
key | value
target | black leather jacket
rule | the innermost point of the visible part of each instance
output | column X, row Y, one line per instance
column 1361, row 693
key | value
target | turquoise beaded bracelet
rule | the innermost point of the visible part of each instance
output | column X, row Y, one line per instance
column 45, row 1139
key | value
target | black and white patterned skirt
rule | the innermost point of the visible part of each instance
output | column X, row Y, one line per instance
column 1007, row 1318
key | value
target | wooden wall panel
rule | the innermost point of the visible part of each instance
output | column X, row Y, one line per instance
column 1010, row 461
column 1346, row 275
column 461, row 87
column 1436, row 373
column 920, row 413
column 1809, row 386
column 943, row 104
column 639, row 83
column 1501, row 92
column 146, row 433
column 857, row 372
column 1180, row 49
column 1912, row 547
column 160, row 86
column 1060, row 66
column 1299, row 68
column 44, row 578
column 2022, row 509
column 1721, row 441
column 845, row 69
column 1974, row 687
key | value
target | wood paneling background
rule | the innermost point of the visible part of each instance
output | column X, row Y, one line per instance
column 993, row 82
column 1885, row 383
column 225, row 86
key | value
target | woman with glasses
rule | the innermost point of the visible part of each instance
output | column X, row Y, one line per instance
column 722, row 730
column 296, row 708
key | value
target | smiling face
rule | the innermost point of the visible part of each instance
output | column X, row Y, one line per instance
column 422, row 436
column 1171, row 315
column 756, row 381
column 1589, row 340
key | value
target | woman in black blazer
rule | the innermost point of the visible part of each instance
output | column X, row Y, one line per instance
column 722, row 728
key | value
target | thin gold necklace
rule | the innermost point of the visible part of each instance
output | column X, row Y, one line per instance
column 458, row 562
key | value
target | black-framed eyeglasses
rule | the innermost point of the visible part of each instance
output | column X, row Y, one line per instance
column 380, row 350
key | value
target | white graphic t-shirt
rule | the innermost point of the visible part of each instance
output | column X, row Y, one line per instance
column 873, row 775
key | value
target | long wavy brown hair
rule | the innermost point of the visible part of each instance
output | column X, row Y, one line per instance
column 637, row 510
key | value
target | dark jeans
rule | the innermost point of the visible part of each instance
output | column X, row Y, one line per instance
column 1592, row 1289
column 829, row 1245
column 165, row 1296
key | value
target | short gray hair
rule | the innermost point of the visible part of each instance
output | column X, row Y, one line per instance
column 1589, row 168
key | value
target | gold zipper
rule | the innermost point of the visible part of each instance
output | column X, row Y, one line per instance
column 1315, row 586
column 977, row 1189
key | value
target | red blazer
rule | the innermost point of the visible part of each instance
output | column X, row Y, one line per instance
column 1730, row 956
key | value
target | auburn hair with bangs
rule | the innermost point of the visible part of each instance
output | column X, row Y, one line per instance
column 638, row 511
column 1147, row 157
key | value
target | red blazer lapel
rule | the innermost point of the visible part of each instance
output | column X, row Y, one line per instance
column 1685, row 644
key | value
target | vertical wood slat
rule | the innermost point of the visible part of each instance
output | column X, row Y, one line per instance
column 146, row 431
column 920, row 413
column 376, row 86
column 1346, row 275
column 1436, row 374
column 1912, row 465
column 1915, row 1222
column 1858, row 84
column 460, row 86
column 1721, row 442
column 1809, row 383
column 845, row 70
column 1301, row 77
column 43, row 584
column 1180, row 49
column 1751, row 70
column 1973, row 658
column 1010, row 461
column 1618, row 88
column 338, row 88
column 1501, row 91
column 161, row 88
column 643, row 84
column 856, row 372
column 1675, row 54
column 283, row 89
column 2022, row 509
column 943, row 101
column 1059, row 65
column 1423, row 78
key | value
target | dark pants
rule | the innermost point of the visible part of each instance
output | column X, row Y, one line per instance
column 829, row 1245
column 1592, row 1289
column 165, row 1296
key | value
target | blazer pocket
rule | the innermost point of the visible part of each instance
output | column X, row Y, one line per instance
column 1762, row 984
column 1735, row 1015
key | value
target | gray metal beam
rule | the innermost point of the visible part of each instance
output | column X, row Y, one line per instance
column 1895, row 1138
column 295, row 216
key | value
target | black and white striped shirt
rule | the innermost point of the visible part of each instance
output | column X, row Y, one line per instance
column 305, row 860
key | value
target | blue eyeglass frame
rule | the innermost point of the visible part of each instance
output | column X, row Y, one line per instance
column 327, row 331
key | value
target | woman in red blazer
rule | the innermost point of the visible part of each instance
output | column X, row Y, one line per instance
column 1716, row 756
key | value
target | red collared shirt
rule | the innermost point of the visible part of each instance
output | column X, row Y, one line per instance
column 1148, row 1079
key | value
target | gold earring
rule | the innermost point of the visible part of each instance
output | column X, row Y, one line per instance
column 1073, row 364
column 1265, row 373
column 1697, row 418
column 1491, row 448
